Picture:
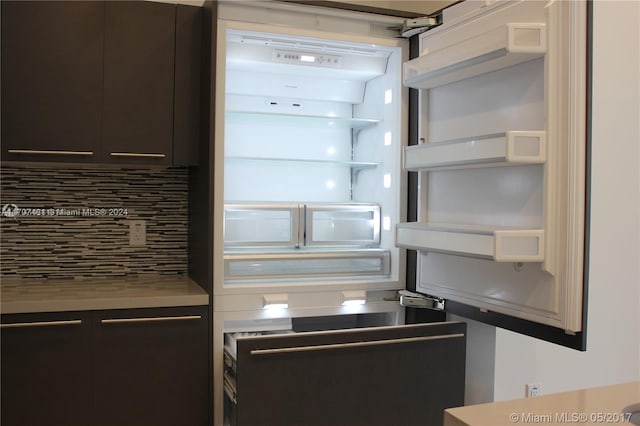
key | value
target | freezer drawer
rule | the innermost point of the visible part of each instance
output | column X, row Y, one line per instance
column 401, row 375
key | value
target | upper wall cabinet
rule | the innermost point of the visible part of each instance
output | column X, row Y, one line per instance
column 52, row 68
column 138, row 82
column 107, row 82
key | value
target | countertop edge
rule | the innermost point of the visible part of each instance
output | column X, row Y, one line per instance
column 33, row 307
column 80, row 296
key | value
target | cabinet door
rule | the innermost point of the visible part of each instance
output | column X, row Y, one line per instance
column 151, row 367
column 402, row 375
column 45, row 369
column 52, row 80
column 138, row 82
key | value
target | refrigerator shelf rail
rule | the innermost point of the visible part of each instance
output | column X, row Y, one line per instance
column 500, row 245
column 501, row 47
column 302, row 120
column 503, row 149
column 355, row 165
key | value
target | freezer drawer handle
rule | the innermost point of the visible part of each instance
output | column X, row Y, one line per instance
column 151, row 319
column 47, row 152
column 354, row 344
column 41, row 324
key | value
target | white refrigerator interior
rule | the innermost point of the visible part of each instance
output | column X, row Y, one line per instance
column 312, row 136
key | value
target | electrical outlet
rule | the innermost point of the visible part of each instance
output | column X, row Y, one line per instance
column 533, row 389
column 137, row 233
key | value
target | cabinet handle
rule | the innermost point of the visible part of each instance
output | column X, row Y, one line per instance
column 137, row 155
column 353, row 344
column 151, row 319
column 40, row 324
column 47, row 152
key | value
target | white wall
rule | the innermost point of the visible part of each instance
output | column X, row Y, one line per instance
column 613, row 336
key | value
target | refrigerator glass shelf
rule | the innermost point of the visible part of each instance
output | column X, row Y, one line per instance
column 499, row 244
column 501, row 47
column 503, row 149
column 302, row 120
column 357, row 165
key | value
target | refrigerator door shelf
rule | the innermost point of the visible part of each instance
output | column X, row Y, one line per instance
column 501, row 245
column 504, row 149
column 498, row 48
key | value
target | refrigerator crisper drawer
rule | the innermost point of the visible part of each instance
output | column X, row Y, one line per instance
column 247, row 266
column 301, row 224
column 348, row 377
column 251, row 225
column 342, row 225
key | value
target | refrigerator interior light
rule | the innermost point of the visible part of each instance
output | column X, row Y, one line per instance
column 354, row 297
column 387, row 139
column 387, row 180
column 275, row 301
column 388, row 96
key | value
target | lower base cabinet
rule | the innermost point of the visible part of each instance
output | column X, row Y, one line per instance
column 121, row 367
column 151, row 367
column 45, row 360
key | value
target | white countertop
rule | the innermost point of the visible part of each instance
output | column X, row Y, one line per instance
column 594, row 406
column 147, row 291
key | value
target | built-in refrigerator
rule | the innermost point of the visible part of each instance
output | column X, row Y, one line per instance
column 312, row 158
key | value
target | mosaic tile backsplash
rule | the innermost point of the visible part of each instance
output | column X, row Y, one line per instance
column 74, row 223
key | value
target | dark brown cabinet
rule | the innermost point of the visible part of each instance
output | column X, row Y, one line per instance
column 151, row 367
column 138, row 82
column 45, row 362
column 52, row 64
column 107, row 82
column 122, row 367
